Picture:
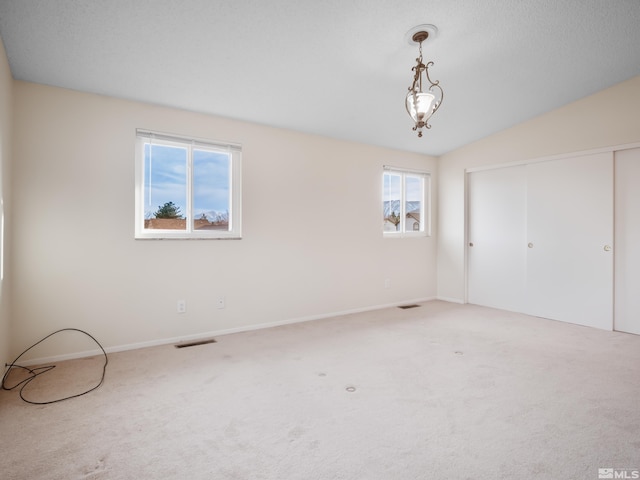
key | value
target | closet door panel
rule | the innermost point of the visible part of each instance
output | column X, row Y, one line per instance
column 497, row 238
column 627, row 251
column 570, row 237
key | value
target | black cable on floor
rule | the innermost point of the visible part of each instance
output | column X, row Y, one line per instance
column 40, row 370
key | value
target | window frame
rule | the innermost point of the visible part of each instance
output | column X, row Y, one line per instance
column 143, row 137
column 425, row 222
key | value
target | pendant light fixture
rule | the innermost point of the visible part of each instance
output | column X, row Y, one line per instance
column 425, row 96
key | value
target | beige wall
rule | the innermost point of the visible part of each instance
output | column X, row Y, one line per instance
column 312, row 242
column 605, row 119
column 6, row 84
column 312, row 230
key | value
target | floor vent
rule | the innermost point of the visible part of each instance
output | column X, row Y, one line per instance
column 404, row 307
column 193, row 344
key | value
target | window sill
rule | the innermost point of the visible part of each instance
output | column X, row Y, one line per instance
column 405, row 235
column 165, row 236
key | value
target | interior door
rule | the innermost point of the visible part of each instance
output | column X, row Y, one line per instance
column 496, row 257
column 627, row 252
column 570, row 238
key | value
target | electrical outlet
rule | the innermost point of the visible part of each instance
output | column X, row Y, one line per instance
column 181, row 306
column 220, row 302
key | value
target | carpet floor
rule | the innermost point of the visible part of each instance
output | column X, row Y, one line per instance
column 440, row 391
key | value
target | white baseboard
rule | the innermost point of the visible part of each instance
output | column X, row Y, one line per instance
column 451, row 300
column 215, row 333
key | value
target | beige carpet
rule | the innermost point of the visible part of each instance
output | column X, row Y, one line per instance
column 441, row 391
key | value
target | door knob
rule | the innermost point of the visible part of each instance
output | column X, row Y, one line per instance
column 471, row 244
column 607, row 248
column 530, row 245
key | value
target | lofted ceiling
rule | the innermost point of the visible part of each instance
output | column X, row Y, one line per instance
column 338, row 68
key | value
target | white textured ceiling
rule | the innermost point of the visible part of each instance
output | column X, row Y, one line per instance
column 338, row 68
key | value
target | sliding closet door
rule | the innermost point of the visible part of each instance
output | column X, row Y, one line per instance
column 627, row 256
column 570, row 239
column 497, row 237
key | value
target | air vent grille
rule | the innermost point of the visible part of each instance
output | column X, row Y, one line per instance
column 193, row 344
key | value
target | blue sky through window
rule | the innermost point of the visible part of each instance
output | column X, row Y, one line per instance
column 392, row 187
column 413, row 187
column 211, row 180
column 165, row 180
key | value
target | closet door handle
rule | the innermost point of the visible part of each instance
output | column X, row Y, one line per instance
column 530, row 245
column 607, row 248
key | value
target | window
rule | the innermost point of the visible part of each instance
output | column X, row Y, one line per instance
column 405, row 205
column 186, row 188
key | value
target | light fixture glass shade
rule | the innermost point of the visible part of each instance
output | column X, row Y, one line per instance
column 420, row 106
